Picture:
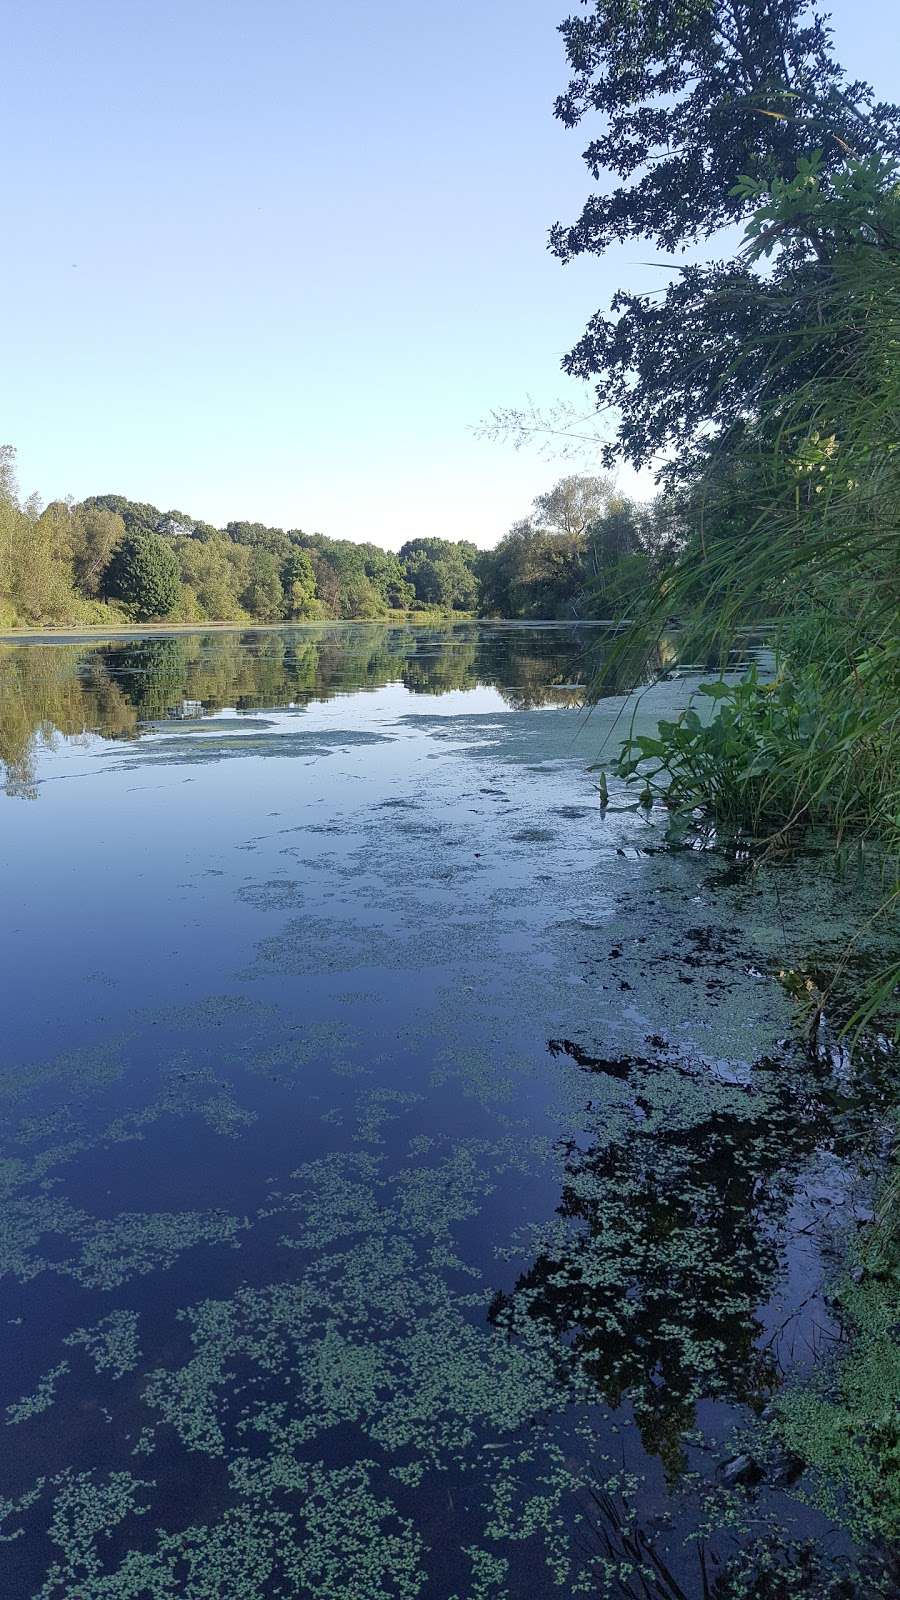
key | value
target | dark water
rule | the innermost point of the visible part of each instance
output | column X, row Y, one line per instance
column 411, row 1184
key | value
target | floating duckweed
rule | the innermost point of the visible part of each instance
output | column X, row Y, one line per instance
column 24, row 1222
column 111, row 1249
column 13, row 1172
column 112, row 1343
column 223, row 1115
column 42, row 1399
column 137, row 1242
column 489, row 1573
column 277, row 894
column 845, row 1421
column 377, row 1107
column 15, row 1507
column 86, row 1508
column 420, row 1144
column 90, row 1070
column 334, row 1539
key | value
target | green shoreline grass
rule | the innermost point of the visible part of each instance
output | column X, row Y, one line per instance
column 140, row 630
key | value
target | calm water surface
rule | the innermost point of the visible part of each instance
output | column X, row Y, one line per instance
column 404, row 1192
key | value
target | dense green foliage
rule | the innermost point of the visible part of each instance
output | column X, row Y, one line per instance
column 766, row 389
column 704, row 105
column 583, row 550
column 111, row 560
column 801, row 514
column 776, row 757
column 143, row 574
column 774, row 384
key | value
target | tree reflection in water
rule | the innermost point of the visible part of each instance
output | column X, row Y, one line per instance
column 667, row 1240
column 114, row 688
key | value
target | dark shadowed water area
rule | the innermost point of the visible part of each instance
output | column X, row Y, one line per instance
column 414, row 1181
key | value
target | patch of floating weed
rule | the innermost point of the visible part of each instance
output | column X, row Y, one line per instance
column 32, row 1405
column 525, row 1502
column 33, row 1130
column 223, row 1115
column 845, row 1422
column 137, row 1242
column 664, row 1244
column 378, row 1106
column 420, row 1144
column 84, row 1071
column 86, row 1508
column 335, row 1200
column 277, row 894
column 201, row 749
column 25, row 1222
column 14, row 1507
column 396, row 1356
column 490, row 1574
column 112, row 1343
column 319, row 944
column 110, row 1250
column 212, row 1011
column 182, row 1097
column 779, row 1568
column 333, row 1042
column 308, row 1530
column 13, row 1173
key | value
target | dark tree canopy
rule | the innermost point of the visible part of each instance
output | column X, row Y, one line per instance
column 696, row 95
column 138, row 516
column 144, row 573
column 442, row 571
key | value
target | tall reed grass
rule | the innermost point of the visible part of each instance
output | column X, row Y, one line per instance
column 797, row 517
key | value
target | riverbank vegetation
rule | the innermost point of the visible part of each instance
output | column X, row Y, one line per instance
column 109, row 561
column 764, row 389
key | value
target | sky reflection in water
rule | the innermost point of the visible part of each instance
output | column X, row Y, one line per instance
column 387, row 1176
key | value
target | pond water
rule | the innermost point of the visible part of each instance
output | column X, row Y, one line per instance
column 411, row 1183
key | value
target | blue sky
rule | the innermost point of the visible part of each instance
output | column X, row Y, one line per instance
column 274, row 259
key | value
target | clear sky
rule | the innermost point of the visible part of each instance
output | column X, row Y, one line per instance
column 272, row 259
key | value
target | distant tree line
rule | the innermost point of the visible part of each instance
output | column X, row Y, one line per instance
column 583, row 551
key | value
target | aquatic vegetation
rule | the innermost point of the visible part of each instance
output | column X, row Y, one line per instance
column 378, row 1106
column 109, row 1251
column 776, row 1569
column 94, row 1068
column 337, row 1540
column 384, row 1284
column 845, row 1424
column 278, row 894
column 666, row 1240
column 112, row 1343
column 33, row 1404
